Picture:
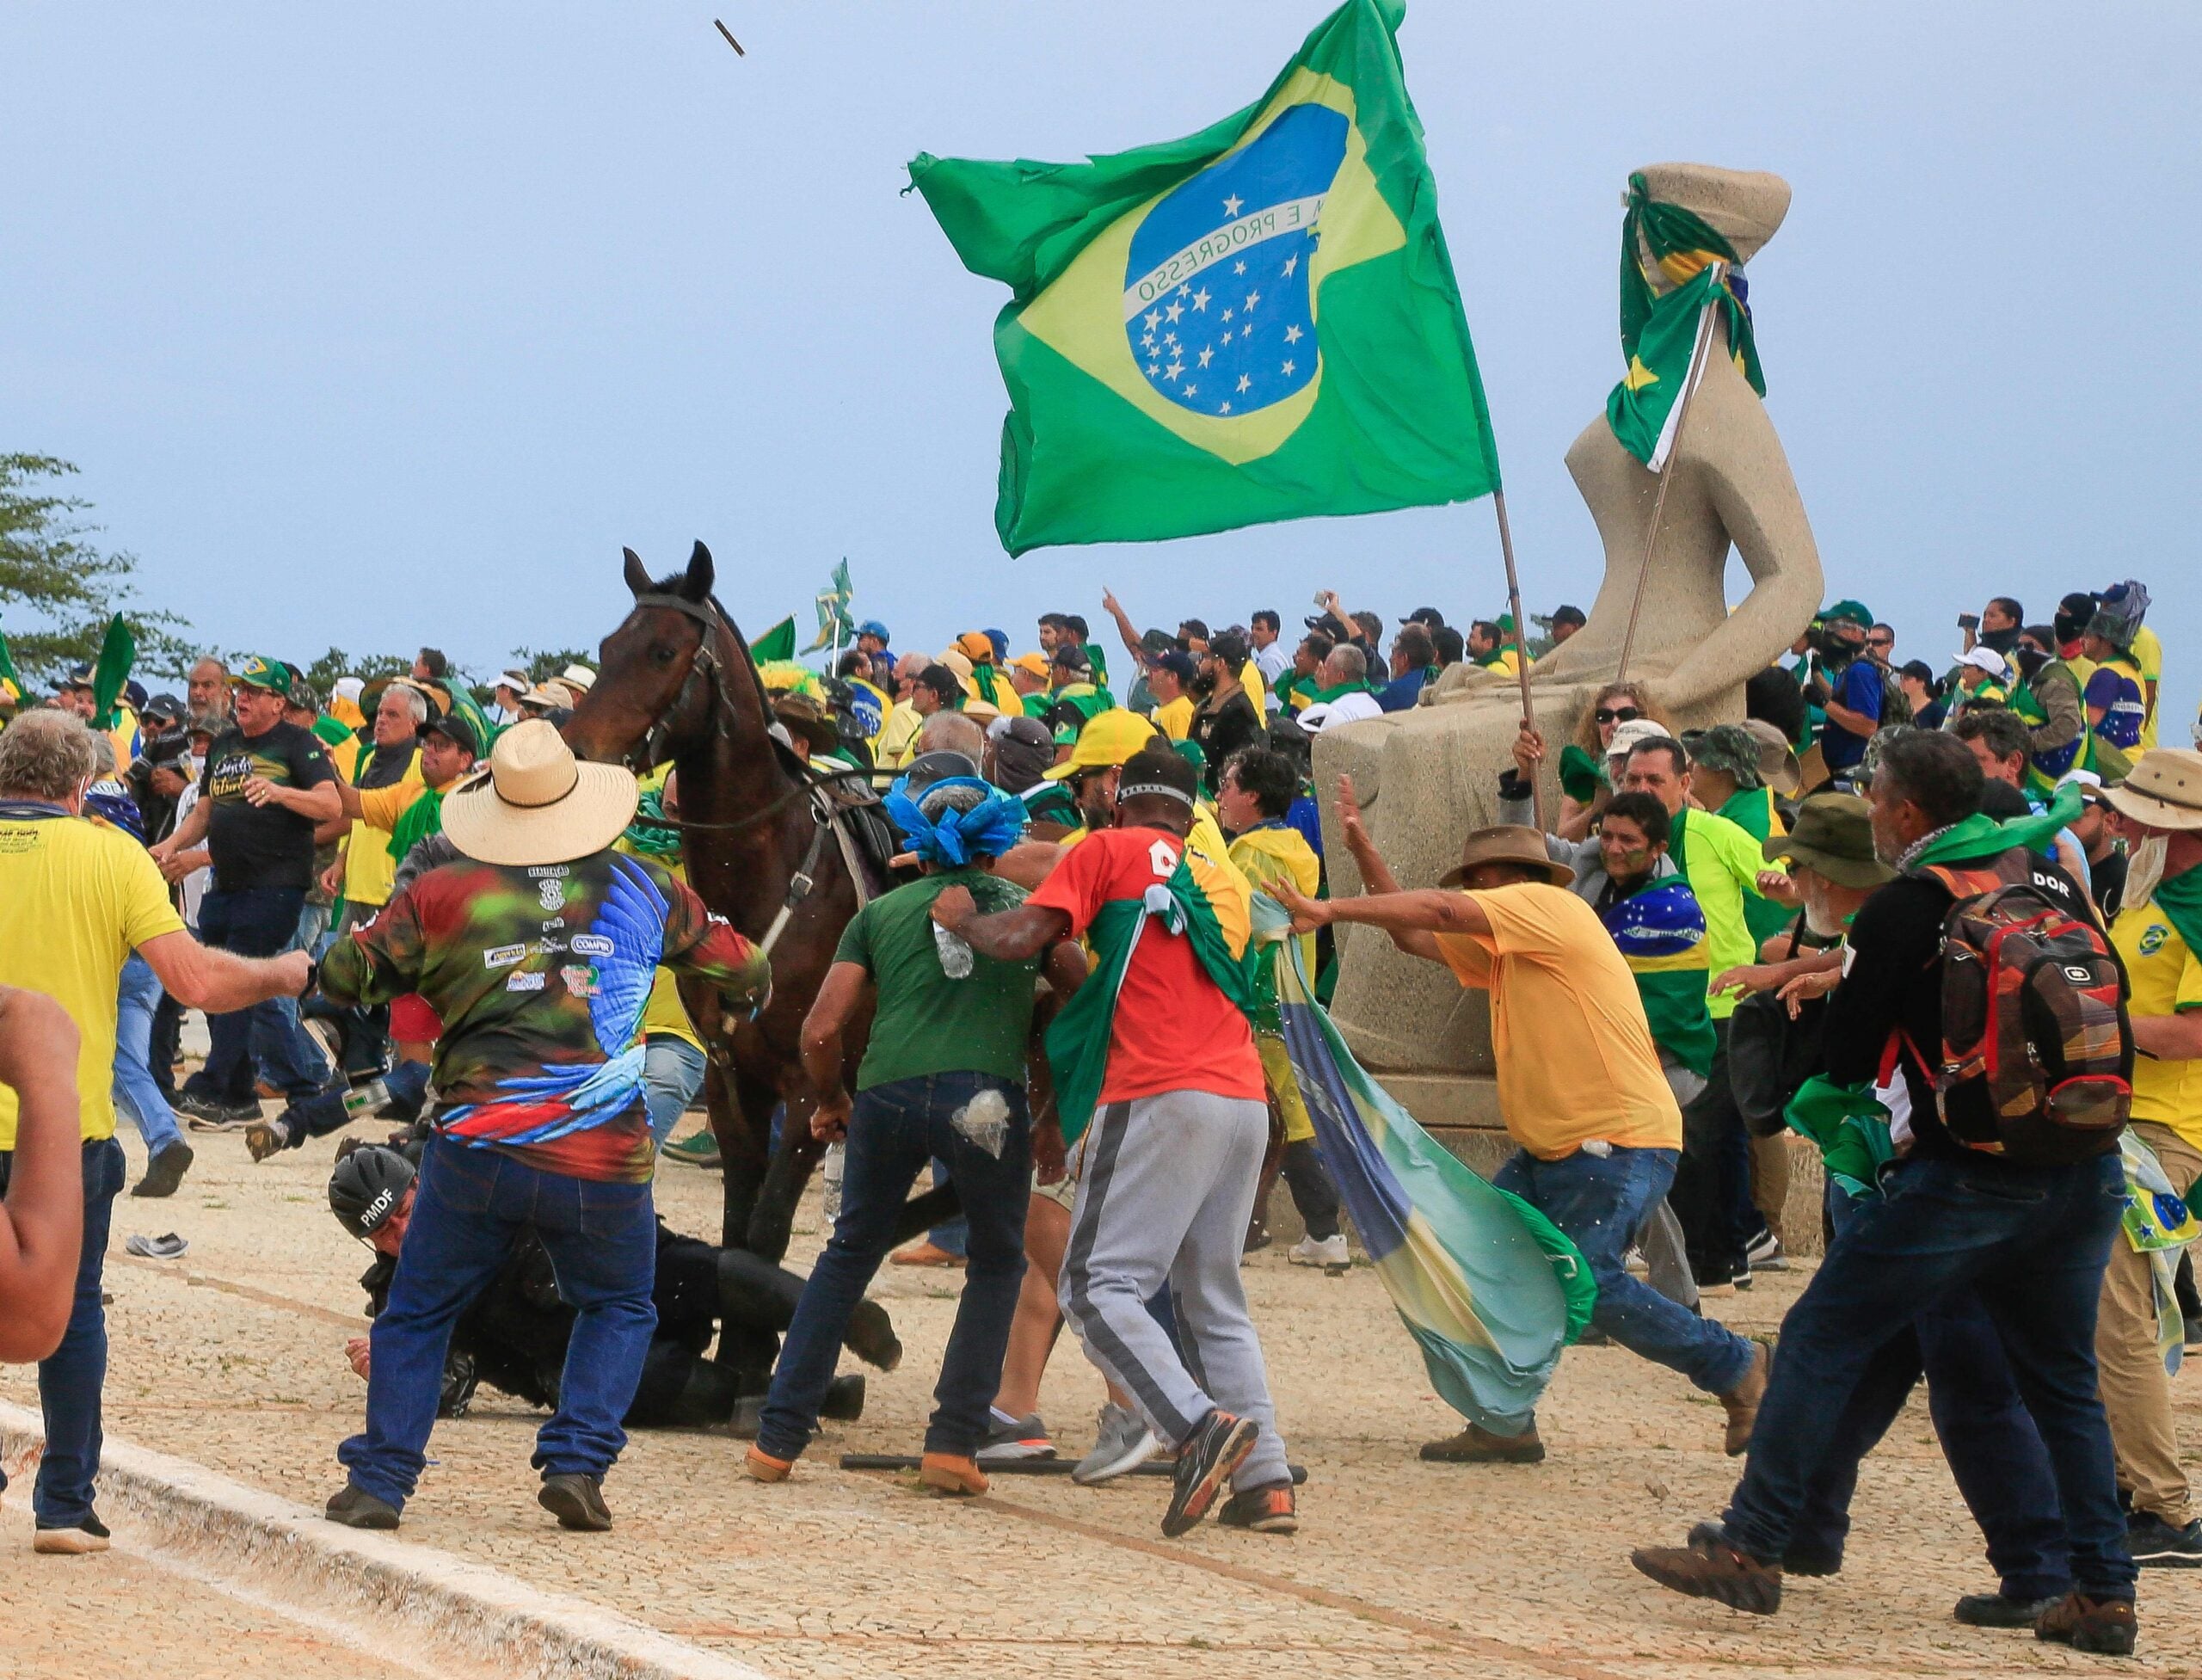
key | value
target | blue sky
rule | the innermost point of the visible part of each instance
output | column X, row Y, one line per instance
column 383, row 324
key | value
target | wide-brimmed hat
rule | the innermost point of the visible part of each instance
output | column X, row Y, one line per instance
column 540, row 804
column 550, row 693
column 1834, row 835
column 1508, row 843
column 2164, row 790
column 1777, row 759
column 803, row 716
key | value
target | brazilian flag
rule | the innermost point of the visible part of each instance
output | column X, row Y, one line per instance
column 1257, row 322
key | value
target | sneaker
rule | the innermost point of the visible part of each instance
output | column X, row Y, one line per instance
column 1766, row 1253
column 1741, row 1402
column 207, row 1115
column 2155, row 1544
column 1709, row 1567
column 165, row 1170
column 263, row 1138
column 2105, row 1627
column 1219, row 1445
column 952, row 1473
column 1123, row 1443
column 1019, row 1438
column 577, row 1501
column 697, row 1149
column 356, row 1508
column 1994, row 1609
column 925, row 1254
column 1263, row 1510
column 1329, row 1252
column 1477, row 1445
column 78, row 1539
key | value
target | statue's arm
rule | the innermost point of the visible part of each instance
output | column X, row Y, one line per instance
column 1755, row 500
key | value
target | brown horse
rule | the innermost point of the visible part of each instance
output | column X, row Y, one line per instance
column 676, row 681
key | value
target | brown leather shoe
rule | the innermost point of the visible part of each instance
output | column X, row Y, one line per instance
column 2105, row 1627
column 763, row 1467
column 1475, row 1445
column 1741, row 1402
column 952, row 1473
column 925, row 1254
column 1709, row 1567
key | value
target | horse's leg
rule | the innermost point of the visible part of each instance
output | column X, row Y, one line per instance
column 742, row 1109
column 772, row 1219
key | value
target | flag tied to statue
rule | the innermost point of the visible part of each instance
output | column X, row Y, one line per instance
column 1257, row 322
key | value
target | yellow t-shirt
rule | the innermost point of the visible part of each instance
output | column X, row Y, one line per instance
column 1175, row 719
column 75, row 900
column 2165, row 978
column 370, row 871
column 897, row 734
column 1576, row 1060
column 2149, row 658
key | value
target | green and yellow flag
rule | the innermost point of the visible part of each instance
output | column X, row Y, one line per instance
column 1257, row 322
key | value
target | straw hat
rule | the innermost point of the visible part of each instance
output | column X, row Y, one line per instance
column 2164, row 790
column 538, row 804
column 803, row 716
column 1508, row 843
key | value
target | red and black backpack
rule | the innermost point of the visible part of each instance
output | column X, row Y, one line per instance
column 2037, row 1053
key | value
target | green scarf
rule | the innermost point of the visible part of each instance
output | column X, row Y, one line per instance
column 1323, row 697
column 1982, row 836
column 2180, row 900
column 983, row 678
column 423, row 817
column 1659, row 331
column 653, row 833
column 1078, row 1041
column 1851, row 1129
column 1582, row 777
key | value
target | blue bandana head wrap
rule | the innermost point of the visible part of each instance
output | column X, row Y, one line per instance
column 987, row 830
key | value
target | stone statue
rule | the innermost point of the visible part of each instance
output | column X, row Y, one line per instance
column 1428, row 776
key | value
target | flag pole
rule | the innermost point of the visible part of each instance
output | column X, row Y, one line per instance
column 1521, row 643
column 1690, row 381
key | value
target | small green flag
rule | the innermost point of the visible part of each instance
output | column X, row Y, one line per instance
column 1257, row 322
column 777, row 643
column 834, row 625
column 8, row 670
column 118, row 653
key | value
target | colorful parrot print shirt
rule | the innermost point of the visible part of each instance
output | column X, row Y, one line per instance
column 541, row 973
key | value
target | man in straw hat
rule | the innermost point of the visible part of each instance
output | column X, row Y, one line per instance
column 2158, row 933
column 1579, row 1084
column 536, row 949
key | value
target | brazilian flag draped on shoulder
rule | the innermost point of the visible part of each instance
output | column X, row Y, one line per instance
column 1257, row 322
column 1658, row 329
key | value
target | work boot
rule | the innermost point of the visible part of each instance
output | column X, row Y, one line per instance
column 1709, row 1567
column 760, row 1466
column 952, row 1473
column 2104, row 1626
column 577, row 1501
column 1477, row 1445
column 78, row 1539
column 356, row 1508
column 1741, row 1402
column 1996, row 1610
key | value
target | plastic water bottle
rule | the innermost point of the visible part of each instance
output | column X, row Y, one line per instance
column 836, row 1157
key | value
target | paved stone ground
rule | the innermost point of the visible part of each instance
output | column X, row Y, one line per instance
column 232, row 1357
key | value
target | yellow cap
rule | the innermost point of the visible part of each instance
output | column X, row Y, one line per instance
column 1106, row 741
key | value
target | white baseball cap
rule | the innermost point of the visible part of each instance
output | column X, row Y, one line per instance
column 1987, row 659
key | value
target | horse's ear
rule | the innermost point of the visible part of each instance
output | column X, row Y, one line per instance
column 638, row 578
column 697, row 586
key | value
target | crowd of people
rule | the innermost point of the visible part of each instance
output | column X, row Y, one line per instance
column 406, row 898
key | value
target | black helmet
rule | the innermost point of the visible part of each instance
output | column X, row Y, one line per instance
column 366, row 1187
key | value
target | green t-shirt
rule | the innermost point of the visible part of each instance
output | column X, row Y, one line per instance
column 926, row 1022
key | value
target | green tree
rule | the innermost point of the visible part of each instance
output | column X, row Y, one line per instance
column 540, row 663
column 57, row 587
column 324, row 671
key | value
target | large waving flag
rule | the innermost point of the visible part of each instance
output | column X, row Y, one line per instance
column 1488, row 1287
column 1257, row 322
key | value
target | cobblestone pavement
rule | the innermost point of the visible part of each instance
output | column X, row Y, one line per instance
column 232, row 1357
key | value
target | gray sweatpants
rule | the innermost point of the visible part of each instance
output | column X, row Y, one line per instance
column 1166, row 1191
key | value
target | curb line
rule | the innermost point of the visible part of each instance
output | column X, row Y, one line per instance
column 297, row 1556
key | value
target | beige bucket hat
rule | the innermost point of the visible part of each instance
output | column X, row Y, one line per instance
column 540, row 804
column 2164, row 790
column 1508, row 843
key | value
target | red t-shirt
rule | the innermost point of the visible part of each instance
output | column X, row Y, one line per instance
column 1174, row 1029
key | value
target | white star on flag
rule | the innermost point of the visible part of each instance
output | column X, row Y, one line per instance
column 1292, row 335
column 1200, row 300
column 1252, row 298
column 1150, row 369
column 1177, row 367
column 1231, row 205
column 1153, row 319
column 1225, row 409
column 1288, row 370
column 1290, row 263
column 1227, row 315
column 1191, row 390
column 1244, row 382
column 1240, row 267
column 1174, row 311
column 1206, row 354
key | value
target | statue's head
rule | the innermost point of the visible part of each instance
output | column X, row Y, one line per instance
column 1745, row 207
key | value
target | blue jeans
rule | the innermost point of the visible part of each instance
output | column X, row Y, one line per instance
column 2031, row 1243
column 895, row 1129
column 472, row 1205
column 951, row 1236
column 136, row 1094
column 1994, row 1452
column 1598, row 1202
column 69, row 1379
column 260, row 921
column 673, row 1073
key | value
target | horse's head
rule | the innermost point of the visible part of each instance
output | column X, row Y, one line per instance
column 653, row 692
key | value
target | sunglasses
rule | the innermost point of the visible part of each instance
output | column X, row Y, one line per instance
column 1615, row 714
column 1880, row 641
